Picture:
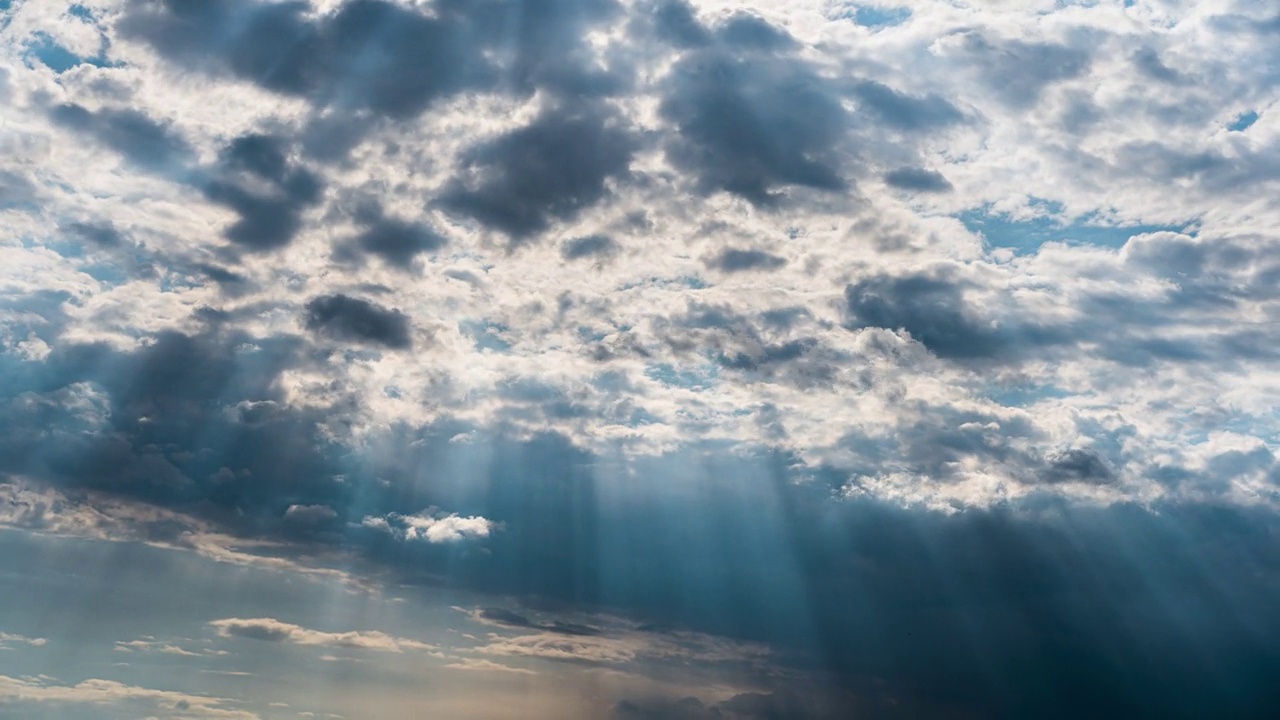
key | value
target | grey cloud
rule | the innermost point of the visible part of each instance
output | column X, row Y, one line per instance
column 737, row 260
column 396, row 241
column 101, row 234
column 770, row 346
column 384, row 58
column 1148, row 62
column 750, row 122
column 905, row 112
column 511, row 618
column 931, row 309
column 674, row 21
column 917, row 179
column 270, row 208
column 224, row 277
column 147, row 143
column 1078, row 465
column 745, row 30
column 329, row 59
column 589, row 246
column 347, row 318
column 1019, row 71
column 262, row 155
column 549, row 170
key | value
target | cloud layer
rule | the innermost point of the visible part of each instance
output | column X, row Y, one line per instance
column 651, row 304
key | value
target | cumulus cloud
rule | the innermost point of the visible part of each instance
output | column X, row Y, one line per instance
column 432, row 525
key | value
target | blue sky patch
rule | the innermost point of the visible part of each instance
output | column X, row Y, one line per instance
column 876, row 17
column 1244, row 121
column 1026, row 236
column 54, row 56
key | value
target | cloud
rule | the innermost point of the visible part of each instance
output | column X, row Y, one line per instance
column 271, row 630
column 7, row 640
column 147, row 143
column 257, row 182
column 342, row 317
column 904, row 112
column 588, row 246
column 549, row 170
column 947, row 318
column 482, row 665
column 737, row 260
column 432, row 526
column 109, row 692
column 917, row 179
column 749, row 121
column 397, row 242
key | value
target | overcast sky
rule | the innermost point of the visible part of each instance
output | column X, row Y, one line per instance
column 639, row 359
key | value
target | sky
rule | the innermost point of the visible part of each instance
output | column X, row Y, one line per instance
column 639, row 359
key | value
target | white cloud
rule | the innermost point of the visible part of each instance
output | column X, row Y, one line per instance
column 7, row 640
column 271, row 630
column 433, row 526
column 108, row 692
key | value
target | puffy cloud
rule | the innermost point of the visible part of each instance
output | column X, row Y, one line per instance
column 432, row 525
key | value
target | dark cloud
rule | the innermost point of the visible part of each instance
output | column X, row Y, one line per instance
column 931, row 309
column 588, row 246
column 346, row 318
column 744, row 30
column 382, row 57
column 257, row 181
column 674, row 21
column 1078, row 466
column 147, row 143
column 397, row 242
column 222, row 276
column 101, row 234
column 161, row 423
column 262, row 155
column 510, row 618
column 786, row 704
column 750, row 121
column 917, row 179
column 386, row 59
column 904, row 112
column 549, row 170
column 737, row 260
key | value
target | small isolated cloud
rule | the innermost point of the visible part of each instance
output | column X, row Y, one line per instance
column 432, row 525
column 272, row 630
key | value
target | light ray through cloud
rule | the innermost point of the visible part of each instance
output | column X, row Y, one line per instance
column 639, row 358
